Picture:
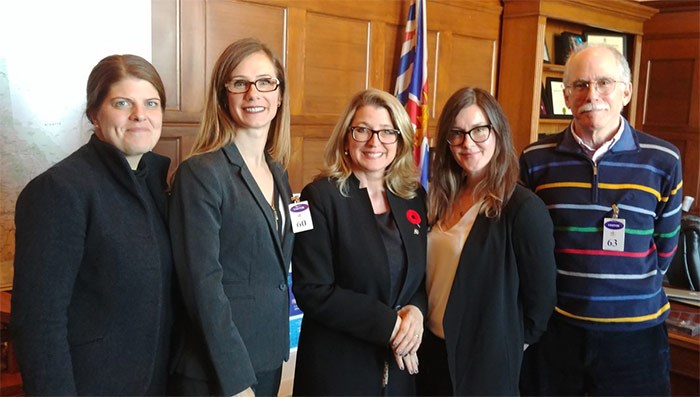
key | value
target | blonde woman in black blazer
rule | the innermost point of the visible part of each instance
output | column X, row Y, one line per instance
column 231, row 237
column 490, row 275
column 358, row 274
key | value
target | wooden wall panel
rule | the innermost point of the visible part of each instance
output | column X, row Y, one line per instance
column 465, row 72
column 332, row 49
column 669, row 86
column 668, row 97
column 228, row 21
column 175, row 142
column 393, row 38
column 313, row 150
column 166, row 27
column 336, row 62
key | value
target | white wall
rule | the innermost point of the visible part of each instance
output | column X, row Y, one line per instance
column 47, row 49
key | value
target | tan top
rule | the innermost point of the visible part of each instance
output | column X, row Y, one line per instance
column 444, row 250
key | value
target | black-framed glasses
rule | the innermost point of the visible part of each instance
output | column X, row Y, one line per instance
column 240, row 86
column 364, row 134
column 604, row 86
column 477, row 134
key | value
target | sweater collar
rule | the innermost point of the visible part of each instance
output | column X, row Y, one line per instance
column 628, row 141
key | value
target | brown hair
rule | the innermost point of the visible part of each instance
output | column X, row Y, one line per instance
column 218, row 128
column 502, row 171
column 401, row 176
column 113, row 69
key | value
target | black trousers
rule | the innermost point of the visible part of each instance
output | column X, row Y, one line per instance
column 433, row 377
column 268, row 385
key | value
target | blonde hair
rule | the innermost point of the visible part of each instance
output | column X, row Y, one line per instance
column 401, row 176
column 218, row 128
column 502, row 171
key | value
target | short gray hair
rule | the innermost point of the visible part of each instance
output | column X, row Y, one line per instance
column 622, row 64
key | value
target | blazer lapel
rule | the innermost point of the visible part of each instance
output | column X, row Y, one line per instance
column 236, row 159
column 285, row 194
column 471, row 252
column 405, row 212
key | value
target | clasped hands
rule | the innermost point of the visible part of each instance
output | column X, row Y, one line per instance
column 406, row 338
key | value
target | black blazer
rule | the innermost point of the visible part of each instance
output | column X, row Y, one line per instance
column 232, row 269
column 341, row 283
column 91, row 296
column 502, row 296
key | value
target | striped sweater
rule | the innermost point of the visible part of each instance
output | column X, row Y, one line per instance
column 641, row 174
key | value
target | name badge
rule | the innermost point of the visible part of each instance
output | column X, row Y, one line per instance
column 613, row 234
column 300, row 216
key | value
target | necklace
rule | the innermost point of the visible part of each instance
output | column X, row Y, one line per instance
column 274, row 212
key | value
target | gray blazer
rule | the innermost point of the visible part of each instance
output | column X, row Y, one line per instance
column 232, row 266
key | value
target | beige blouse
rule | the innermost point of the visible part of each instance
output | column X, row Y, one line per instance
column 444, row 251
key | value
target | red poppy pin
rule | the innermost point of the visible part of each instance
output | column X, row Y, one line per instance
column 413, row 217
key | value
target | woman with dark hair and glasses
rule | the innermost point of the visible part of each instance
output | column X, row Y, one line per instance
column 490, row 275
column 358, row 275
column 91, row 300
column 232, row 240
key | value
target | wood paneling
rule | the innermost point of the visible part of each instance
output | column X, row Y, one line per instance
column 313, row 151
column 226, row 21
column 464, row 71
column 669, row 88
column 331, row 77
column 165, row 26
column 668, row 92
column 332, row 49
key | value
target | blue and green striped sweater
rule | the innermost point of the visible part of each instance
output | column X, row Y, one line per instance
column 641, row 174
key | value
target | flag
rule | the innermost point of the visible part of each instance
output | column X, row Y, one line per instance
column 412, row 83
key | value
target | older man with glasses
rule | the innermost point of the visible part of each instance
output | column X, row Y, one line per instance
column 614, row 195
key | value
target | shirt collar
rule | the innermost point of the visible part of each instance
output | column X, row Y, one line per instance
column 595, row 154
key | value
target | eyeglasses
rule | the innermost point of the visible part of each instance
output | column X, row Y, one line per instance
column 262, row 85
column 364, row 134
column 604, row 86
column 477, row 134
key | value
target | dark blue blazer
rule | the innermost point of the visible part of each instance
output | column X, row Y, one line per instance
column 91, row 296
column 232, row 266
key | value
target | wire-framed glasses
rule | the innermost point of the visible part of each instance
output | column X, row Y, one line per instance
column 604, row 86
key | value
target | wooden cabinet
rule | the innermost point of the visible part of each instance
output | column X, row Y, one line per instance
column 527, row 25
column 685, row 355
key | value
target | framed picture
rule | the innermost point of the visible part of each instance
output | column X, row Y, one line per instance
column 545, row 56
column 616, row 40
column 556, row 105
column 565, row 44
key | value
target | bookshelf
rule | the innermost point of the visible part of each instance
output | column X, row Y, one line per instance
column 528, row 25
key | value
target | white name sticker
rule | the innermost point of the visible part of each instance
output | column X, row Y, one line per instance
column 613, row 234
column 300, row 217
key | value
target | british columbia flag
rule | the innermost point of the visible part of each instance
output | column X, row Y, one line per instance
column 412, row 83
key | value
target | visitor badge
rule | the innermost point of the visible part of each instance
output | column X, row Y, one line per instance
column 300, row 216
column 614, row 232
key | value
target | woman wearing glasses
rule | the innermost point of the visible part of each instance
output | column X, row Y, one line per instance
column 358, row 274
column 231, row 238
column 490, row 275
